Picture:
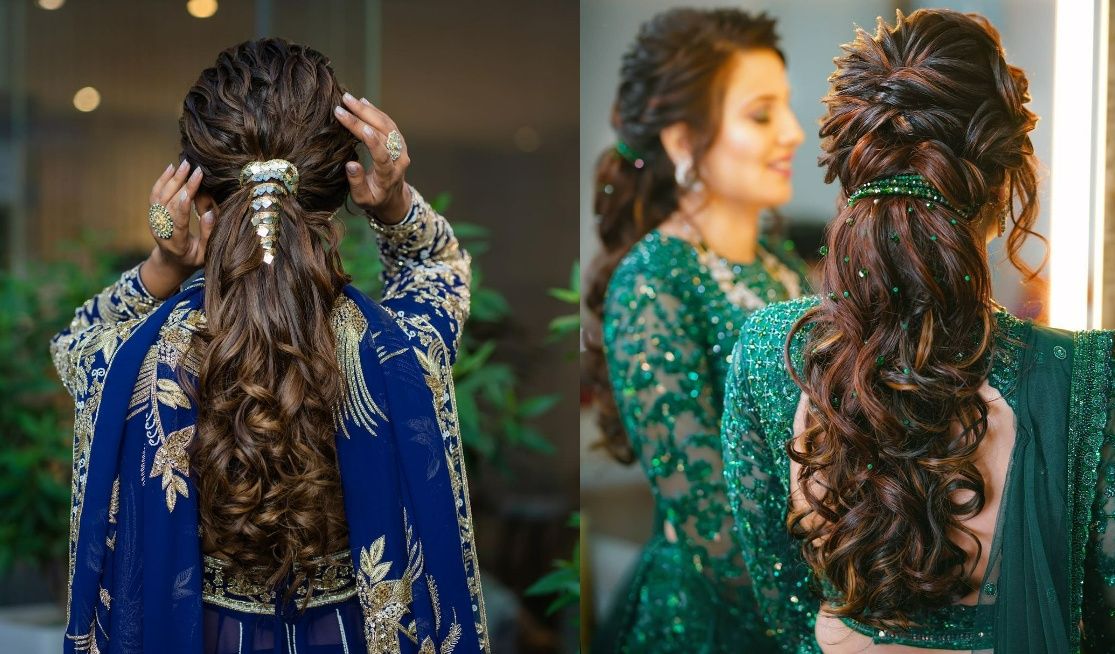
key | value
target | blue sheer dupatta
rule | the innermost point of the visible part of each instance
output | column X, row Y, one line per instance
column 136, row 582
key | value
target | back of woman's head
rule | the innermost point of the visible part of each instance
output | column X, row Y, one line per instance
column 901, row 341
column 675, row 72
column 269, row 381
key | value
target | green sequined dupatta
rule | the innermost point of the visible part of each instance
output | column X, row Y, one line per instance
column 1056, row 501
column 1046, row 519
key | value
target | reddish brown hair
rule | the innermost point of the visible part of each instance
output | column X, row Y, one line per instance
column 901, row 341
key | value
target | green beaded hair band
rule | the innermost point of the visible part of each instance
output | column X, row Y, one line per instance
column 907, row 184
column 629, row 155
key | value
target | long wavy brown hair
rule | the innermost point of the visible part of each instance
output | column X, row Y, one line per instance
column 900, row 343
column 674, row 72
column 269, row 381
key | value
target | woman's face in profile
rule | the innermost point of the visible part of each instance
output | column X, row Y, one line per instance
column 750, row 160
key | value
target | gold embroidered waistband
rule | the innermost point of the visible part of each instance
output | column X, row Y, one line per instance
column 247, row 590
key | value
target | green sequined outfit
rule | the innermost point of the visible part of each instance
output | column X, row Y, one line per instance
column 669, row 327
column 1052, row 558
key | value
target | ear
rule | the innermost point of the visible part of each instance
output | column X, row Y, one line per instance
column 204, row 202
column 675, row 141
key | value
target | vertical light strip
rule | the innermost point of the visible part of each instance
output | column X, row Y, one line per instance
column 1071, row 194
column 19, row 215
column 1099, row 167
column 373, row 50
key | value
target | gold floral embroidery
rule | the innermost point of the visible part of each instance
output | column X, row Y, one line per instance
column 86, row 642
column 83, row 355
column 114, row 502
column 113, row 509
column 106, row 599
column 248, row 591
column 358, row 406
column 423, row 262
column 172, row 463
column 439, row 378
column 153, row 392
column 431, row 585
column 448, row 644
column 386, row 602
column 176, row 338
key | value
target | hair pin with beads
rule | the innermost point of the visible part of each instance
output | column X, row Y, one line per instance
column 908, row 185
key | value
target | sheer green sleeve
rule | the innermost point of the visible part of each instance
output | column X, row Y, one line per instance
column 660, row 373
column 1098, row 607
column 758, row 408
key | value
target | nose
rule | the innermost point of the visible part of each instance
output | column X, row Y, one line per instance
column 792, row 135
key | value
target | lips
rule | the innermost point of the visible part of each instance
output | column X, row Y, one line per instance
column 783, row 166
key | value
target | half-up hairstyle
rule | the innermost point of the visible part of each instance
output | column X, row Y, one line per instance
column 675, row 72
column 901, row 341
column 269, row 381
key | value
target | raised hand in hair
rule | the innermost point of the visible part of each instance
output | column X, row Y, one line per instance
column 380, row 190
column 174, row 259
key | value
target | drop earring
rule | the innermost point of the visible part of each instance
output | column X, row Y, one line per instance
column 686, row 176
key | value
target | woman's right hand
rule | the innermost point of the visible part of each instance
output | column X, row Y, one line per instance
column 380, row 191
column 174, row 259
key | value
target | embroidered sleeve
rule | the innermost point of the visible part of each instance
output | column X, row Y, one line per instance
column 1098, row 606
column 660, row 374
column 758, row 497
column 426, row 274
column 115, row 306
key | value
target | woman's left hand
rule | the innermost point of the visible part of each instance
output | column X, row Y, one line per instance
column 380, row 190
column 174, row 259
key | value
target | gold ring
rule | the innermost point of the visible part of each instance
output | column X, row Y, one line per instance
column 162, row 223
column 394, row 144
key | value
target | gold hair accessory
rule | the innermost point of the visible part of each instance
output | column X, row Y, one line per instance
column 162, row 223
column 265, row 193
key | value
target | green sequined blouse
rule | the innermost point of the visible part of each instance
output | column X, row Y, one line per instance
column 669, row 327
column 1051, row 569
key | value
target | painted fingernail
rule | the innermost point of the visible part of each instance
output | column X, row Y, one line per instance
column 340, row 111
column 365, row 101
column 348, row 96
column 169, row 167
column 196, row 173
column 352, row 167
column 368, row 131
column 184, row 165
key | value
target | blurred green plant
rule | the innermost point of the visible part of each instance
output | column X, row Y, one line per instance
column 494, row 417
column 569, row 323
column 564, row 581
column 35, row 411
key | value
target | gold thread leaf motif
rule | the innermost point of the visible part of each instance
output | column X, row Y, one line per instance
column 173, row 465
column 386, row 602
column 357, row 406
column 171, row 394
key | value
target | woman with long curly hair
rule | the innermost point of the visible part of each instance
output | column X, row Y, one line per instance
column 911, row 467
column 264, row 458
column 705, row 139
